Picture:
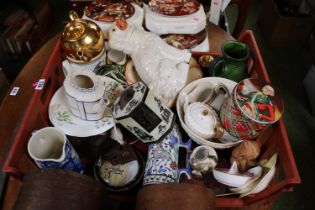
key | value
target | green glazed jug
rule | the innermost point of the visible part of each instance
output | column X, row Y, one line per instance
column 233, row 63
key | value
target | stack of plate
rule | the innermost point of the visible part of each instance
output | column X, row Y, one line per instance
column 180, row 23
column 104, row 13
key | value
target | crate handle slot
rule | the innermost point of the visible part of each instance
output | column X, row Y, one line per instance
column 46, row 89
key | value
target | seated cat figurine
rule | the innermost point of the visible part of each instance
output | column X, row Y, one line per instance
column 162, row 67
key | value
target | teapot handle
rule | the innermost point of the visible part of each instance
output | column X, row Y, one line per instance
column 221, row 92
column 73, row 15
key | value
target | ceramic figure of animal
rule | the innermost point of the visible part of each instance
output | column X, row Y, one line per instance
column 162, row 67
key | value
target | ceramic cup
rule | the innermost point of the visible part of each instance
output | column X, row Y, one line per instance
column 117, row 57
column 202, row 159
column 162, row 162
column 50, row 148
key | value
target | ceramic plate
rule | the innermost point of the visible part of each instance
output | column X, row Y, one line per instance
column 174, row 7
column 179, row 107
column 60, row 115
column 107, row 11
column 185, row 41
column 135, row 167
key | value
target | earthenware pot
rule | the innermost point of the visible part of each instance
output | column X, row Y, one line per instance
column 82, row 40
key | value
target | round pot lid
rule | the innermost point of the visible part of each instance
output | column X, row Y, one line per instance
column 174, row 7
column 258, row 101
column 108, row 10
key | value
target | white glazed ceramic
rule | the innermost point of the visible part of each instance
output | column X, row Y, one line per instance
column 226, row 141
column 117, row 57
column 61, row 116
column 69, row 66
column 162, row 24
column 231, row 177
column 194, row 73
column 137, row 19
column 201, row 119
column 269, row 171
column 207, row 93
column 86, row 95
column 159, row 65
column 248, row 186
column 50, row 148
column 203, row 159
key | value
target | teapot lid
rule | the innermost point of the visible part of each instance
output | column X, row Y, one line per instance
column 258, row 101
column 129, row 99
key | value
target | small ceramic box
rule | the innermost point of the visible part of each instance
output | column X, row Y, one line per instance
column 144, row 115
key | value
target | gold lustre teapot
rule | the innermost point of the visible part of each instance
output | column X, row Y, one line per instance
column 82, row 40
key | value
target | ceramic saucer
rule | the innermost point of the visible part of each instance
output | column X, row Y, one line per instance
column 60, row 115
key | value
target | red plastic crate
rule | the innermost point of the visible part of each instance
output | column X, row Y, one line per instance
column 36, row 117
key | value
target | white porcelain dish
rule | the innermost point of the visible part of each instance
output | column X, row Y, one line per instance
column 248, row 186
column 231, row 177
column 214, row 81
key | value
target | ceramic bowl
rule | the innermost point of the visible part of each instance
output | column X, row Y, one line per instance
column 248, row 186
column 135, row 174
column 212, row 81
column 223, row 176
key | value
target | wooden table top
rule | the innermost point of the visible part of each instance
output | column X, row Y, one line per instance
column 13, row 107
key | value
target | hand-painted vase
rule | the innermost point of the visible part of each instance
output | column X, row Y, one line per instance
column 162, row 162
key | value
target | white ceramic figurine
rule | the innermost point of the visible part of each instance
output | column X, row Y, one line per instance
column 159, row 65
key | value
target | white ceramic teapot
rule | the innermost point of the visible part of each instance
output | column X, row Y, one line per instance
column 86, row 96
column 203, row 120
column 159, row 65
